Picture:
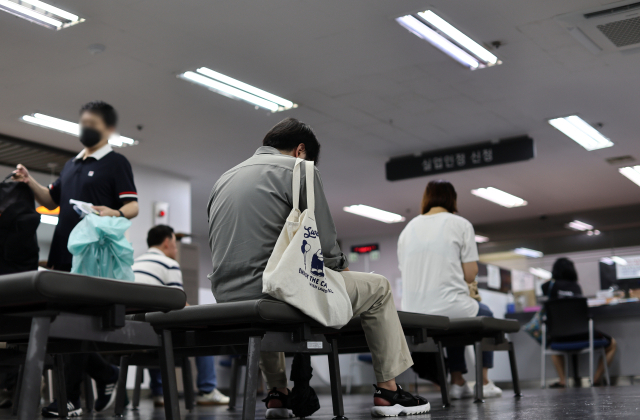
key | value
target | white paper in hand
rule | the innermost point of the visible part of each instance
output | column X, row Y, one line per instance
column 83, row 208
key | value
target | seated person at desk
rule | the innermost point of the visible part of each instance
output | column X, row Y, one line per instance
column 159, row 266
column 438, row 259
column 247, row 210
column 564, row 284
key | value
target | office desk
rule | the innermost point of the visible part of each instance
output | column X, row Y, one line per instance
column 621, row 321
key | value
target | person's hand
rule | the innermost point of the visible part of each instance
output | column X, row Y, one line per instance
column 106, row 211
column 21, row 174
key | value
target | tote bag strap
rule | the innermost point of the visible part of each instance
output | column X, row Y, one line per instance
column 296, row 184
column 309, row 170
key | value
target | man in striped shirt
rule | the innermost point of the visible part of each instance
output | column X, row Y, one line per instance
column 159, row 266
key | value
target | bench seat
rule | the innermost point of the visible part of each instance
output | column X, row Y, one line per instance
column 50, row 290
column 268, row 312
column 482, row 325
column 56, row 313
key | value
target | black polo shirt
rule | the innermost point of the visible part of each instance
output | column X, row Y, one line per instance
column 103, row 179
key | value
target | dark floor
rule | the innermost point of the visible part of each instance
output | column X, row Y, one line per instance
column 576, row 403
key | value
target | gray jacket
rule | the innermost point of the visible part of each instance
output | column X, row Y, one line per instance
column 247, row 209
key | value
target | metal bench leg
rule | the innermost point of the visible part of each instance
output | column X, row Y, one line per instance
column 61, row 385
column 606, row 367
column 336, row 385
column 169, row 385
column 479, row 378
column 29, row 401
column 89, row 399
column 16, row 392
column 187, row 384
column 514, row 371
column 236, row 367
column 122, row 386
column 135, row 403
column 566, row 369
column 442, row 377
column 251, row 378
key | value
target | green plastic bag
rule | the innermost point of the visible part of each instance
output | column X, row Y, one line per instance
column 100, row 249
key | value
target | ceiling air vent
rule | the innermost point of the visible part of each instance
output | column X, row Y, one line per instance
column 605, row 30
column 35, row 156
column 620, row 160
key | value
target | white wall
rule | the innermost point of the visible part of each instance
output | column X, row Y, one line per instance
column 152, row 186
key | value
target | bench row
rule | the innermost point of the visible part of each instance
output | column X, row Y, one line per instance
column 48, row 313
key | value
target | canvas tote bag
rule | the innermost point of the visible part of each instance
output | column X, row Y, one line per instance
column 295, row 272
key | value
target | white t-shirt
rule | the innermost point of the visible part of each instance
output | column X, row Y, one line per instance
column 431, row 250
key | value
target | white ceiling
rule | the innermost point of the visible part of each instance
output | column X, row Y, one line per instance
column 370, row 89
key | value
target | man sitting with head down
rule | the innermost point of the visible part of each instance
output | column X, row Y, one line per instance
column 247, row 210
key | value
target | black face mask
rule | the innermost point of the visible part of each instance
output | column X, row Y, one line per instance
column 89, row 137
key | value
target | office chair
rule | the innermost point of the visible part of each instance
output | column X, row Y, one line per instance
column 567, row 318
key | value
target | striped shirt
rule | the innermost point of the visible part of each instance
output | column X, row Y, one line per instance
column 153, row 267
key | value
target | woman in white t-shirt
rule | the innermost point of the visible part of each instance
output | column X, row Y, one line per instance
column 438, row 258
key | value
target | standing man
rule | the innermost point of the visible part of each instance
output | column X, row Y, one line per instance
column 100, row 176
column 159, row 266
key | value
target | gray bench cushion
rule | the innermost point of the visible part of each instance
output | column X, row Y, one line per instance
column 266, row 311
column 479, row 325
column 65, row 291
column 261, row 311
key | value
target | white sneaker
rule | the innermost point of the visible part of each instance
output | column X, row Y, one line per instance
column 458, row 392
column 490, row 390
column 214, row 397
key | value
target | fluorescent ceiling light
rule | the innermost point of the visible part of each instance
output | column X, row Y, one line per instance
column 72, row 128
column 48, row 219
column 528, row 252
column 631, row 172
column 481, row 239
column 236, row 89
column 374, row 213
column 607, row 261
column 499, row 197
column 442, row 35
column 578, row 225
column 41, row 13
column 540, row 272
column 582, row 133
column 619, row 260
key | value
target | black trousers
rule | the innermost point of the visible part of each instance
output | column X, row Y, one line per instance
column 75, row 367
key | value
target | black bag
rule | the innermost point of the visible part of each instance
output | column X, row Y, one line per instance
column 425, row 365
column 303, row 400
column 18, row 224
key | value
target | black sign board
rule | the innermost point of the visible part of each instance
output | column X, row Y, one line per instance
column 365, row 249
column 460, row 158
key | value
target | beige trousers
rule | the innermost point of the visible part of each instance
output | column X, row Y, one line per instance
column 372, row 299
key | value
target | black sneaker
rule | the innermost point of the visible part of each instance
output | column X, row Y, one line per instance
column 397, row 403
column 106, row 395
column 74, row 409
column 282, row 412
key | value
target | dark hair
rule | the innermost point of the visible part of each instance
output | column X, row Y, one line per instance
column 104, row 110
column 158, row 234
column 563, row 269
column 439, row 193
column 289, row 133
